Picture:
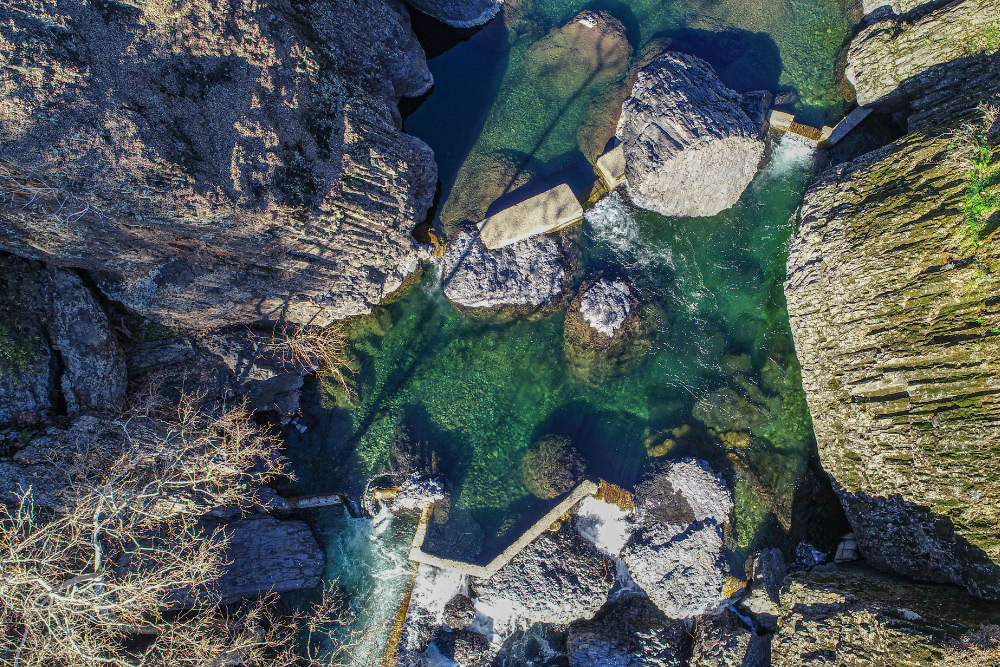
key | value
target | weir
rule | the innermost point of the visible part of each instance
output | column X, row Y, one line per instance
column 549, row 211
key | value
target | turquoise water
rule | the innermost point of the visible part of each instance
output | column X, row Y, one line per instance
column 470, row 394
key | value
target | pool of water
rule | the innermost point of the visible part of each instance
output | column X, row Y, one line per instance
column 470, row 394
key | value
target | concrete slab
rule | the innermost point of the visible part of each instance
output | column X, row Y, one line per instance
column 852, row 120
column 780, row 120
column 611, row 167
column 546, row 212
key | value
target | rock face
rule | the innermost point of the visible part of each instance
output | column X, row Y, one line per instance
column 93, row 368
column 559, row 578
column 527, row 274
column 690, row 147
column 630, row 632
column 459, row 13
column 895, row 319
column 677, row 555
column 57, row 349
column 220, row 163
column 724, row 641
column 895, row 58
column 846, row 615
column 606, row 305
column 266, row 554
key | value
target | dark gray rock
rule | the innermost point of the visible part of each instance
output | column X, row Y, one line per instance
column 269, row 555
column 629, row 632
column 690, row 147
column 93, row 367
column 558, row 578
column 459, row 612
column 465, row 647
column 459, row 13
column 526, row 274
column 724, row 641
column 677, row 553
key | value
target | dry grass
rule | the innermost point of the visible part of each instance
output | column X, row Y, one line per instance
column 27, row 193
column 980, row 648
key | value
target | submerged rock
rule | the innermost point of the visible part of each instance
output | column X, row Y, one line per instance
column 850, row 615
column 629, row 632
column 607, row 332
column 552, row 467
column 690, row 147
column 677, row 553
column 559, row 578
column 527, row 274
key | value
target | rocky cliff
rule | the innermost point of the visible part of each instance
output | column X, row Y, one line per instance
column 213, row 163
column 892, row 297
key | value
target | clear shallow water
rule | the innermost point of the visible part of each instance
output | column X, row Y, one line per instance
column 475, row 392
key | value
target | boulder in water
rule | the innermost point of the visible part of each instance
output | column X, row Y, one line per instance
column 527, row 274
column 459, row 13
column 552, row 467
column 677, row 554
column 690, row 146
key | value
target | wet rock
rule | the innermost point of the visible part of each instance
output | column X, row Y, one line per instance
column 93, row 367
column 607, row 332
column 214, row 175
column 528, row 274
column 465, row 647
column 459, row 13
column 629, row 632
column 725, row 641
column 690, row 148
column 837, row 615
column 459, row 612
column 676, row 555
column 729, row 409
column 266, row 554
column 559, row 578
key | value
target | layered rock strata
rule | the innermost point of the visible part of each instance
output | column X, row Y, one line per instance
column 216, row 163
column 691, row 148
column 892, row 305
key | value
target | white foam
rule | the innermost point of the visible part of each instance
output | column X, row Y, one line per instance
column 613, row 224
column 499, row 620
column 790, row 154
column 606, row 525
column 434, row 587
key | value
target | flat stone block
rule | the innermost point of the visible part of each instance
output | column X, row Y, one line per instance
column 546, row 212
column 611, row 167
column 781, row 120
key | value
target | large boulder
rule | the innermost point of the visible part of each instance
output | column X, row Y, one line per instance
column 897, row 57
column 267, row 555
column 526, row 275
column 559, row 578
column 892, row 301
column 219, row 163
column 459, row 13
column 690, row 146
column 842, row 615
column 629, row 632
column 677, row 555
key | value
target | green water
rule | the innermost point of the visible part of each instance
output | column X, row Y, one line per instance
column 474, row 393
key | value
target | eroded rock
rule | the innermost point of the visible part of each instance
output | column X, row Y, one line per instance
column 629, row 632
column 527, row 274
column 677, row 553
column 559, row 578
column 690, row 147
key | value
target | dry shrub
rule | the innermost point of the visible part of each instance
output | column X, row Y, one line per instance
column 123, row 573
column 323, row 349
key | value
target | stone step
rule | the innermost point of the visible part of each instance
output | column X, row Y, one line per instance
column 545, row 212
